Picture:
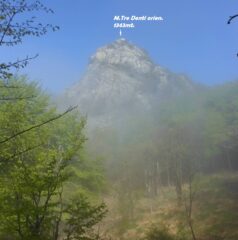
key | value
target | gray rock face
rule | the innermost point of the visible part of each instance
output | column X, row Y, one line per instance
column 122, row 80
column 123, row 54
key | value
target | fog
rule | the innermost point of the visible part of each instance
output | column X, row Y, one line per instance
column 161, row 137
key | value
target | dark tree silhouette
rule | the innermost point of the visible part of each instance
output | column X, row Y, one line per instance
column 17, row 21
column 231, row 18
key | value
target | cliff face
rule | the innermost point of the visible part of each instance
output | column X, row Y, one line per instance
column 121, row 80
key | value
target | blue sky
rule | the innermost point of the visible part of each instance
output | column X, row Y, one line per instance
column 193, row 39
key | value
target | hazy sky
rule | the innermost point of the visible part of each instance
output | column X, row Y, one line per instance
column 193, row 38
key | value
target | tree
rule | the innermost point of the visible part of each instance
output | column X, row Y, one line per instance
column 188, row 204
column 158, row 233
column 222, row 130
column 181, row 143
column 13, row 30
column 33, row 183
column 16, row 23
column 36, row 150
column 81, row 216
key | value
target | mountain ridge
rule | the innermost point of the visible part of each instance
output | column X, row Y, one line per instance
column 121, row 78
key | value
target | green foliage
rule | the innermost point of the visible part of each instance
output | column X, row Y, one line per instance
column 36, row 167
column 158, row 233
column 81, row 216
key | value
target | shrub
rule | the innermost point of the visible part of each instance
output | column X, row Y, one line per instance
column 158, row 233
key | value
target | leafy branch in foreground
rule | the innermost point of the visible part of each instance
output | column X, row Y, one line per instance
column 13, row 30
column 5, row 68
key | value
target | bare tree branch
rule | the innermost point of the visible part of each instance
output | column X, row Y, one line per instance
column 10, row 86
column 18, row 62
column 7, row 27
column 229, row 22
column 38, row 125
column 5, row 68
column 14, row 28
column 22, row 152
column 231, row 18
column 16, row 98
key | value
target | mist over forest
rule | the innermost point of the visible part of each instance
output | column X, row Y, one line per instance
column 132, row 151
column 157, row 131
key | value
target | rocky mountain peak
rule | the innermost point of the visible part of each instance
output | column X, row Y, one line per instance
column 123, row 53
column 121, row 81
